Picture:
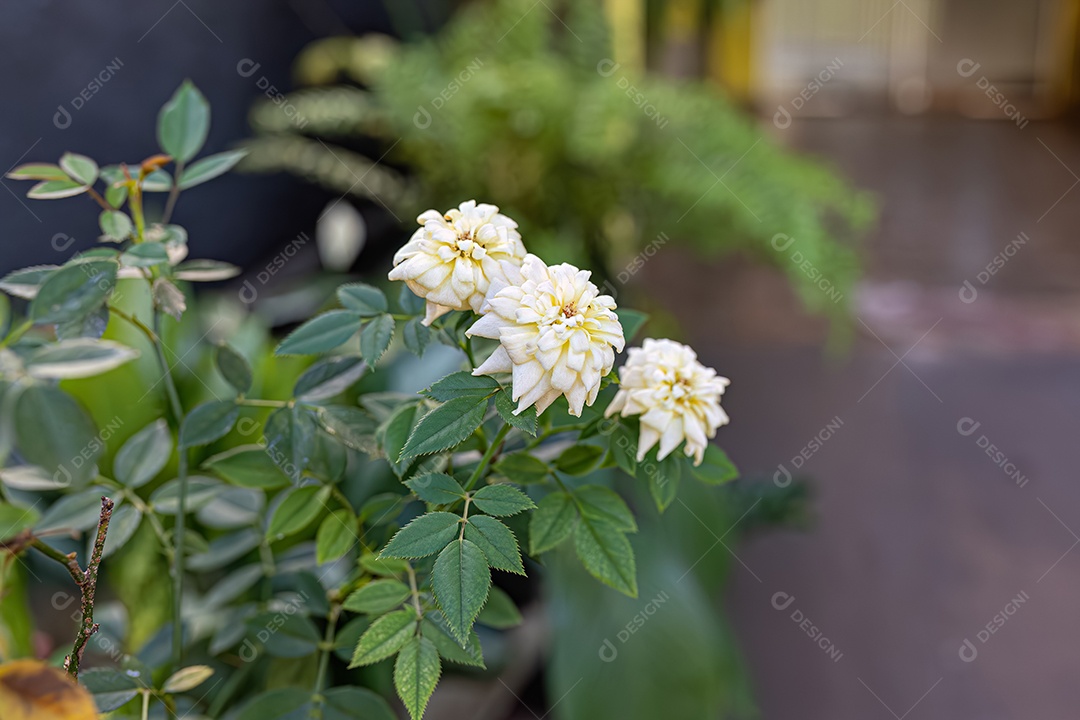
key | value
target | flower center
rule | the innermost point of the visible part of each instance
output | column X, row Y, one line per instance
column 569, row 310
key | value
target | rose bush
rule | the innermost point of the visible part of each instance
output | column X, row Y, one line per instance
column 279, row 548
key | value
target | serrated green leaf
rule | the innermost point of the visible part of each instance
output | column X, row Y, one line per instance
column 375, row 338
column 320, row 334
column 497, row 542
column 579, row 459
column 523, row 468
column 436, row 488
column 416, row 673
column 601, row 503
column 143, row 455
column 417, row 336
column 434, row 629
column 74, row 291
column 385, row 637
column 446, row 426
column 209, row 167
column 552, row 522
column 502, row 500
column 500, row 612
column 363, row 299
column 462, row 384
column 79, row 168
column 425, row 535
column 298, row 510
column 716, row 468
column 460, row 581
column 606, row 553
column 25, row 283
column 525, row 422
column 336, row 535
column 208, row 422
column 234, row 367
column 377, row 597
column 183, row 123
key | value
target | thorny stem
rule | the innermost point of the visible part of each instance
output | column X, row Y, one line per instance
column 464, row 518
column 492, row 449
column 86, row 582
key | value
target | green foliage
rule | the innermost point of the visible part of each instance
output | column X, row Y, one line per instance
column 540, row 123
column 333, row 523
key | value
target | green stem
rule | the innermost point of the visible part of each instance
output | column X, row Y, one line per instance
column 174, row 193
column 493, row 448
column 145, row 704
column 415, row 593
column 324, row 662
column 252, row 402
column 468, row 348
column 17, row 332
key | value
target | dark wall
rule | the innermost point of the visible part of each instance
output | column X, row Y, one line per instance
column 125, row 59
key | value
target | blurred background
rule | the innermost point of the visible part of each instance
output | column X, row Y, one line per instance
column 862, row 212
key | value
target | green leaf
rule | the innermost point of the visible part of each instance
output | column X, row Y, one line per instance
column 77, row 512
column 111, row 688
column 280, row 704
column 383, row 567
column 335, row 536
column 37, row 171
column 462, row 384
column 147, row 254
column 157, row 181
column 395, row 433
column 716, row 468
column 417, row 336
column 351, row 426
column 320, row 334
column 78, row 358
column 525, row 422
column 579, row 459
column 606, row 553
column 200, row 491
column 209, row 167
column 500, row 612
column 410, row 302
column 122, row 527
column 187, row 678
column 203, row 270
column 375, row 338
column 502, row 500
column 436, row 488
column 663, row 479
column 115, row 225
column 32, row 478
column 290, row 440
column 601, row 503
column 385, row 637
column 355, row 703
column 13, row 520
column 234, row 367
column 434, row 629
column 425, row 535
column 54, row 432
column 74, row 291
column 79, row 168
column 460, row 581
column 523, row 468
column 233, row 507
column 329, row 378
column 497, row 542
column 291, row 636
column 144, row 455
column 446, row 426
column 377, row 597
column 632, row 321
column 56, row 189
column 27, row 282
column 298, row 510
column 5, row 315
column 225, row 550
column 247, row 466
column 624, row 449
column 183, row 123
column 363, row 299
column 416, row 673
column 552, row 522
column 208, row 422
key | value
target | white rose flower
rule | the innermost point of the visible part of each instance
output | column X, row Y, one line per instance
column 676, row 396
column 451, row 259
column 557, row 335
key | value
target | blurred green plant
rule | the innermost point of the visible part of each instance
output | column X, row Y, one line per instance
column 600, row 166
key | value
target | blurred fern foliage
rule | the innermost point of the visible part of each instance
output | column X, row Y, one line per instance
column 522, row 105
